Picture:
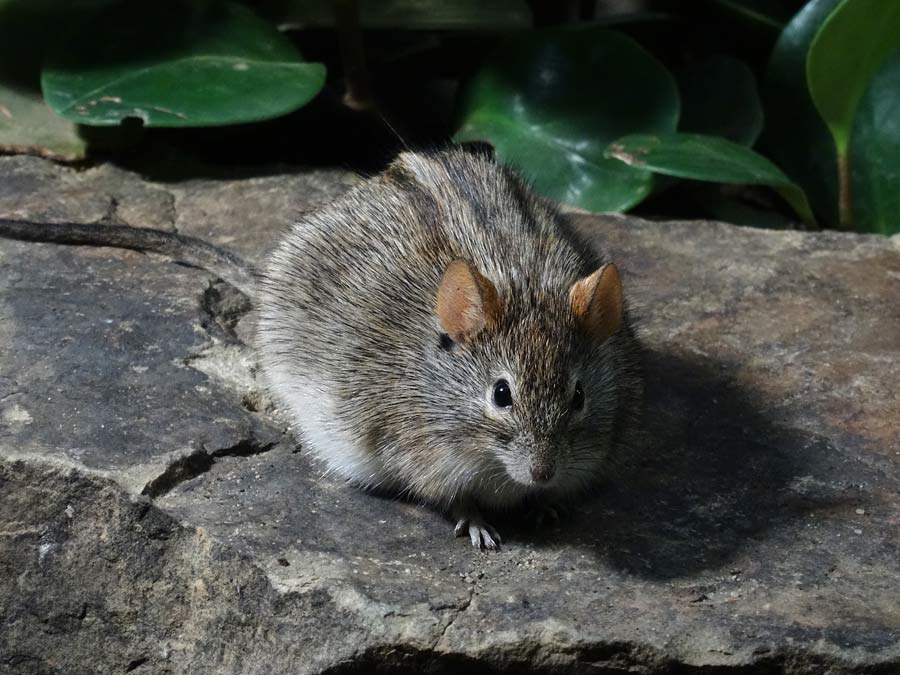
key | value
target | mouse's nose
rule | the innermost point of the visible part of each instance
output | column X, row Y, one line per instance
column 541, row 473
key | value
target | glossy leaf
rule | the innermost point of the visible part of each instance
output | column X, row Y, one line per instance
column 719, row 98
column 794, row 135
column 707, row 158
column 178, row 65
column 847, row 51
column 550, row 101
column 850, row 46
column 875, row 153
column 404, row 14
column 28, row 126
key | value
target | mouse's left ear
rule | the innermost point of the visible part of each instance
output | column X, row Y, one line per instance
column 467, row 301
column 597, row 301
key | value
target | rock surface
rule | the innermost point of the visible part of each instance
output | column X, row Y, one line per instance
column 155, row 516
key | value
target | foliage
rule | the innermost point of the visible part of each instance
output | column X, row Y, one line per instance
column 709, row 158
column 848, row 50
column 605, row 112
column 213, row 64
column 543, row 100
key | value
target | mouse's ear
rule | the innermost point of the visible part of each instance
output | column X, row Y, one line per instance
column 597, row 301
column 467, row 301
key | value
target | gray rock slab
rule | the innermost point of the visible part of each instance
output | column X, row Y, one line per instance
column 244, row 213
column 155, row 515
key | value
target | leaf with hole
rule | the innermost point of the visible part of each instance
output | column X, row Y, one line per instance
column 550, row 101
column 707, row 158
column 178, row 65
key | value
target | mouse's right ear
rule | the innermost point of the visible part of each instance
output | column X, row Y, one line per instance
column 467, row 301
column 597, row 301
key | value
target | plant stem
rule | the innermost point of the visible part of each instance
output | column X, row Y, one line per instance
column 845, row 211
column 358, row 95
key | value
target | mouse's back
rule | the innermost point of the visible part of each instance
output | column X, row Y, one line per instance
column 387, row 319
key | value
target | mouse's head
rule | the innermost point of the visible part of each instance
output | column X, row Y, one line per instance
column 540, row 379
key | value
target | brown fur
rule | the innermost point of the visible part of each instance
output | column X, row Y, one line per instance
column 368, row 335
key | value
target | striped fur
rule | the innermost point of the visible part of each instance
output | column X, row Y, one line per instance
column 351, row 344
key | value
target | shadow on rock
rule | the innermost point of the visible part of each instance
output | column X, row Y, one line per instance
column 713, row 472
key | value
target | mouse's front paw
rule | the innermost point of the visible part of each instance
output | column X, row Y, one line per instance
column 482, row 535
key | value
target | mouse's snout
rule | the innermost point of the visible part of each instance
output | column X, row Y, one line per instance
column 542, row 471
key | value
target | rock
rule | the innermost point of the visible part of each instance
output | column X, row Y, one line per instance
column 155, row 516
column 241, row 213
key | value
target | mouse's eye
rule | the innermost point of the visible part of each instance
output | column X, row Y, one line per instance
column 578, row 398
column 502, row 394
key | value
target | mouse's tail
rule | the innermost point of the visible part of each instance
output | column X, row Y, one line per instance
column 188, row 250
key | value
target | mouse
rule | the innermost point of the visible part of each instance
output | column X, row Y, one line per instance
column 440, row 333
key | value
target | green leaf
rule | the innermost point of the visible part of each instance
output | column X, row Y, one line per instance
column 550, row 101
column 404, row 14
column 719, row 98
column 28, row 126
column 707, row 158
column 849, row 47
column 875, row 153
column 178, row 65
column 794, row 135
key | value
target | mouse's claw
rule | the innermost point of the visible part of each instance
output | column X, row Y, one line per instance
column 482, row 535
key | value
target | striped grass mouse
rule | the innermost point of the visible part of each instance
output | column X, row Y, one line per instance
column 439, row 332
